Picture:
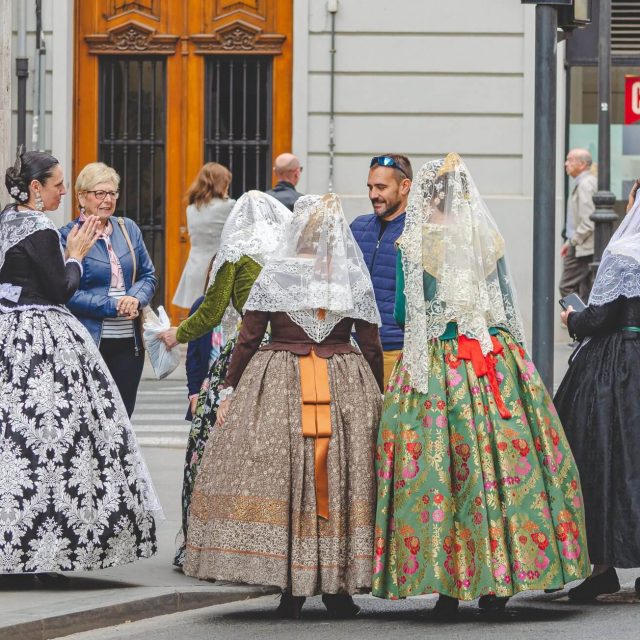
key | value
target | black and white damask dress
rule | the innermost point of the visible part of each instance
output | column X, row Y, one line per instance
column 75, row 492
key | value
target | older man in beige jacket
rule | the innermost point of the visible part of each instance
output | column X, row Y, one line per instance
column 577, row 251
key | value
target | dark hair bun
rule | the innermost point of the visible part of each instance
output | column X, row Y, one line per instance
column 30, row 165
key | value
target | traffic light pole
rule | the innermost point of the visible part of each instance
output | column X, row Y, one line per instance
column 544, row 191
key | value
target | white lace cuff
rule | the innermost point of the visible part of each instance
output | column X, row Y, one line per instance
column 68, row 260
column 225, row 393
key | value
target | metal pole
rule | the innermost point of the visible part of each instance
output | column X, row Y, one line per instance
column 604, row 216
column 544, row 191
column 6, row 152
column 332, row 8
column 22, row 73
column 39, row 96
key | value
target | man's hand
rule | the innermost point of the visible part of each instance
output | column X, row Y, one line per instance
column 564, row 250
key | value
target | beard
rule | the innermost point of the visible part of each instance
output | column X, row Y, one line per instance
column 389, row 208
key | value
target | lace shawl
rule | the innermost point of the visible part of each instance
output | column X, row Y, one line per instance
column 255, row 228
column 450, row 233
column 16, row 225
column 318, row 275
column 619, row 270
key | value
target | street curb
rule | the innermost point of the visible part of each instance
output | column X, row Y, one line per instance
column 140, row 609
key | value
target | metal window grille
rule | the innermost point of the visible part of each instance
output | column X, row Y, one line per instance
column 238, row 119
column 132, row 129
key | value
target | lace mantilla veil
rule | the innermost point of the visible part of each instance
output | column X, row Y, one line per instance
column 318, row 275
column 255, row 228
column 450, row 234
column 619, row 270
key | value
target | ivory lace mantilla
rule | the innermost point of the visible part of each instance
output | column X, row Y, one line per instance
column 318, row 275
column 450, row 234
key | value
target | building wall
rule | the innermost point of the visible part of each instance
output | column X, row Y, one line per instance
column 5, row 93
column 425, row 78
column 57, row 131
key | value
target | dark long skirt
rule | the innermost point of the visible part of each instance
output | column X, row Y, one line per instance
column 599, row 406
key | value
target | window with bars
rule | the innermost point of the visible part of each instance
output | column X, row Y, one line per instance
column 132, row 140
column 238, row 119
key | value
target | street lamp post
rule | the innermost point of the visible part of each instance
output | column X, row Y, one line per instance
column 574, row 14
column 544, row 190
column 604, row 216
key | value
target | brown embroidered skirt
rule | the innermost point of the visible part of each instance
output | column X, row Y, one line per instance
column 253, row 511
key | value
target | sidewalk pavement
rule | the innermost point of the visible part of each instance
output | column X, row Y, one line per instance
column 146, row 588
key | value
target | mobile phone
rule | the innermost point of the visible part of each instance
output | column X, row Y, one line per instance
column 572, row 300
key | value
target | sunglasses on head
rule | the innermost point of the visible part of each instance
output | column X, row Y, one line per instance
column 386, row 161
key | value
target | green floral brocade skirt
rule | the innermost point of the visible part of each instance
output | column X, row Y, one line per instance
column 471, row 503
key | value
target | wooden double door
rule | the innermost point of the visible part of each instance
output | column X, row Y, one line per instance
column 162, row 86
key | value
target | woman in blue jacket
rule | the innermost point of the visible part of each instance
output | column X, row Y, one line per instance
column 118, row 280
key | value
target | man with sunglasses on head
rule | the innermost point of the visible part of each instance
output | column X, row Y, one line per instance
column 389, row 182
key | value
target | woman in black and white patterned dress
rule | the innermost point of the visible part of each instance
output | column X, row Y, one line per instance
column 75, row 493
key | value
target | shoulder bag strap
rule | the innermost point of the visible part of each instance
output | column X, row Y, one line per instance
column 125, row 233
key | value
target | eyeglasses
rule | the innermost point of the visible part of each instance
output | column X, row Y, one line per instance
column 101, row 195
column 386, row 161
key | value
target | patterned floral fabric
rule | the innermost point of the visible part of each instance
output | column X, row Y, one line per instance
column 253, row 513
column 203, row 420
column 74, row 491
column 471, row 503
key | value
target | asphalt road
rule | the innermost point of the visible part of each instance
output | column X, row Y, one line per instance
column 529, row 616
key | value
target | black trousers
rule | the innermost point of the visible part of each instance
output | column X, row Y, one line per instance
column 125, row 367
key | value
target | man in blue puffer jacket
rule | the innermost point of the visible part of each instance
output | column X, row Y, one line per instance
column 389, row 182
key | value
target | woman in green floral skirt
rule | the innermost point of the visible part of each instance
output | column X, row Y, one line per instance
column 478, row 492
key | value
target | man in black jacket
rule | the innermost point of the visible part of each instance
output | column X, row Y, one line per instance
column 287, row 170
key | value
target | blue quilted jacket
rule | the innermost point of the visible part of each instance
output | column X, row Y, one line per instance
column 90, row 303
column 380, row 258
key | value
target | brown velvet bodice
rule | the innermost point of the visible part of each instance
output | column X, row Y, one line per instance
column 286, row 335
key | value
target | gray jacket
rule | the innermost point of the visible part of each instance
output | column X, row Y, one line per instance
column 582, row 207
column 286, row 193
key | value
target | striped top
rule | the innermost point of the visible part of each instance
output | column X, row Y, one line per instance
column 118, row 327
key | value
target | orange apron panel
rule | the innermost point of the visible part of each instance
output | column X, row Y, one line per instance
column 316, row 421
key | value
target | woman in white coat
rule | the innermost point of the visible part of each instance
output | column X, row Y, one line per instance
column 209, row 207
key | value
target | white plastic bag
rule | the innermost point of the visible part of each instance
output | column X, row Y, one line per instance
column 163, row 360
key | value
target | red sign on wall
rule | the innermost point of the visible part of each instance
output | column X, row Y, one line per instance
column 631, row 99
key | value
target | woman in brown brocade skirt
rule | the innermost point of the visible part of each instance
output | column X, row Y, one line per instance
column 286, row 492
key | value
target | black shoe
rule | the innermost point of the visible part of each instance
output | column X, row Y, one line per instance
column 11, row 581
column 446, row 608
column 340, row 605
column 638, row 586
column 493, row 603
column 290, row 606
column 592, row 587
column 54, row 580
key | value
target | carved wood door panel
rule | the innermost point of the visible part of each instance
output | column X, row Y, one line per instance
column 179, row 45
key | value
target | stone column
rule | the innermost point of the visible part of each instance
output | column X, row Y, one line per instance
column 5, row 94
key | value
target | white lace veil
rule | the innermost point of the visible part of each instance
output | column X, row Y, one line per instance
column 619, row 270
column 16, row 225
column 318, row 275
column 255, row 228
column 451, row 236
